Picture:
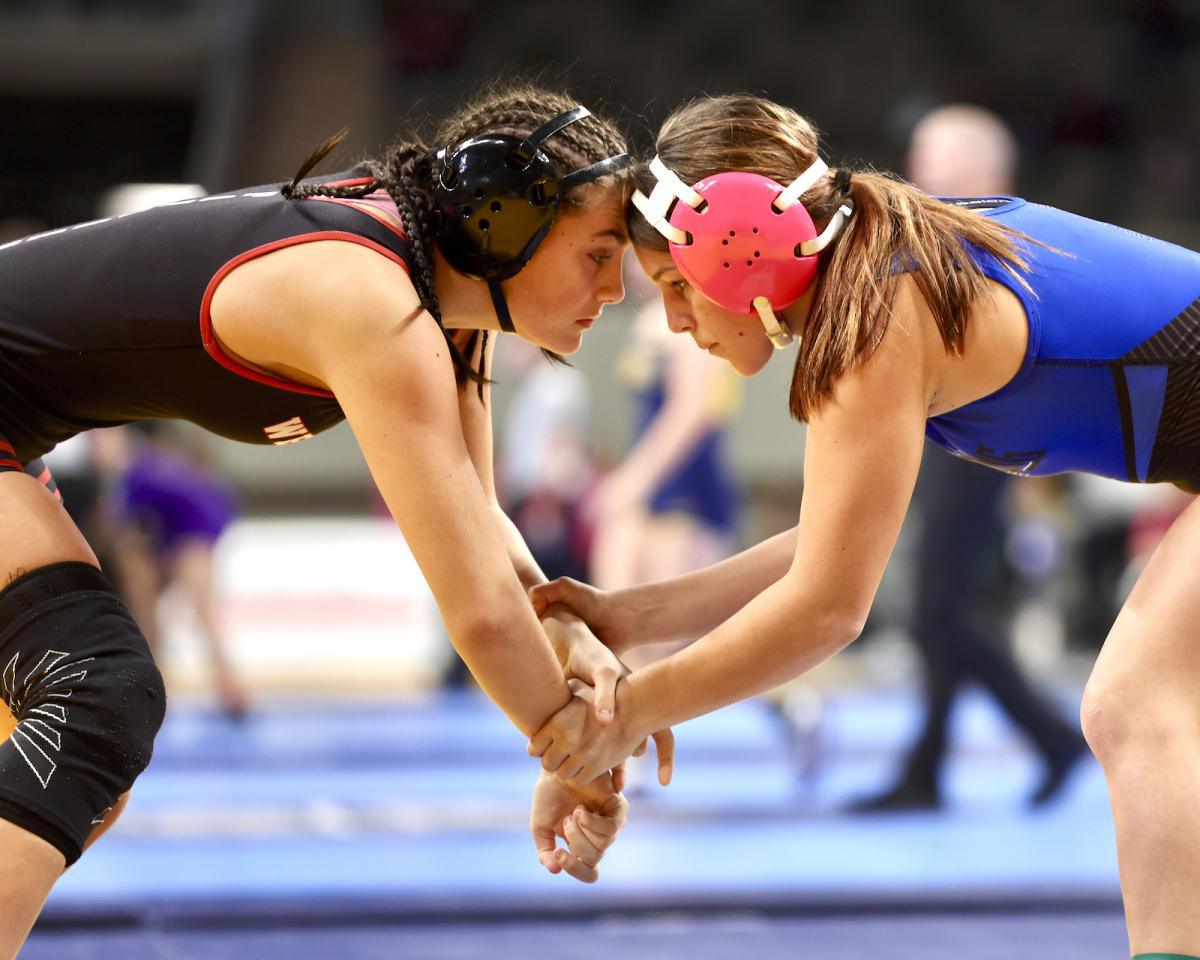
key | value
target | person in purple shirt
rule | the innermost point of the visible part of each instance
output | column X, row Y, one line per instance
column 169, row 510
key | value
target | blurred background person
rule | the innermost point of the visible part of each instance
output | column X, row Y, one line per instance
column 170, row 509
column 960, row 618
column 671, row 504
column 546, row 466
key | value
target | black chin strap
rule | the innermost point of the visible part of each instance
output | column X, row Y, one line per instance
column 501, row 306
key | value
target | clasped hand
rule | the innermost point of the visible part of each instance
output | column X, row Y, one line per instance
column 577, row 748
column 587, row 814
column 588, row 819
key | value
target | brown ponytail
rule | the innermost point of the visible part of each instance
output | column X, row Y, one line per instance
column 894, row 224
column 895, row 228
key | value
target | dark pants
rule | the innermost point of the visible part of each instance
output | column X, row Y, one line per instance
column 957, row 625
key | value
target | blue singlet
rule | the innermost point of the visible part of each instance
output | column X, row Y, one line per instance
column 1111, row 378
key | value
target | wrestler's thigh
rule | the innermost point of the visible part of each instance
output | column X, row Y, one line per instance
column 1153, row 650
column 37, row 531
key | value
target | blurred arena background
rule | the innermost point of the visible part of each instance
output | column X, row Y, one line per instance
column 373, row 803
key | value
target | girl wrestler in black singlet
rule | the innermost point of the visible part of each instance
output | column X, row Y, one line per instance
column 268, row 315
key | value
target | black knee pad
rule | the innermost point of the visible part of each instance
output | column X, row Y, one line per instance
column 77, row 674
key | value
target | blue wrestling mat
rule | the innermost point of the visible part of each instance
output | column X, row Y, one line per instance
column 394, row 830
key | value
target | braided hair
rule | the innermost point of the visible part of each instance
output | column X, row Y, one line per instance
column 406, row 172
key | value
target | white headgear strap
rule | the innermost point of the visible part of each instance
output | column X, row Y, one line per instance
column 801, row 185
column 798, row 188
column 656, row 207
column 835, row 224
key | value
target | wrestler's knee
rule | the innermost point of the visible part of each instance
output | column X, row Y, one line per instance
column 77, row 674
column 1122, row 721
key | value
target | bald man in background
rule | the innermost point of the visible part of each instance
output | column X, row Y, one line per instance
column 962, row 151
column 966, row 151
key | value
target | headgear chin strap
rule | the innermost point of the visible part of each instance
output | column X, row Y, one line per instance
column 741, row 239
column 497, row 196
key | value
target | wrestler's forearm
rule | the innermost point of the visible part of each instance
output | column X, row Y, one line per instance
column 528, row 571
column 691, row 605
column 779, row 635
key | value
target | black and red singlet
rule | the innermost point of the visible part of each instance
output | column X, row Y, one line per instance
column 107, row 322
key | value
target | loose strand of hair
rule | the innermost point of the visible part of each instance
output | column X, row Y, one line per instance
column 327, row 147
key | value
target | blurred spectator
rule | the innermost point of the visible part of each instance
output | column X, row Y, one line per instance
column 171, row 509
column 964, row 150
column 546, row 468
column 671, row 504
column 84, row 467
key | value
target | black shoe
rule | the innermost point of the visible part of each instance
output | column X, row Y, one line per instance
column 905, row 797
column 1058, row 768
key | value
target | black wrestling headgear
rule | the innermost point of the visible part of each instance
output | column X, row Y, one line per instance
column 497, row 196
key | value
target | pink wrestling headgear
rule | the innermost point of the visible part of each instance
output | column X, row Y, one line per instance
column 741, row 239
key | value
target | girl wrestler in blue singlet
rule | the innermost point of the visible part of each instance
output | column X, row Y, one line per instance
column 268, row 315
column 1019, row 336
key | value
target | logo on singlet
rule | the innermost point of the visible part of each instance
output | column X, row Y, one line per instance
column 1020, row 463
column 290, row 431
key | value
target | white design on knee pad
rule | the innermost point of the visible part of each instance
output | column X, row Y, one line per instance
column 57, row 656
column 45, row 731
column 14, row 690
column 47, row 765
column 15, row 694
column 70, row 676
column 10, row 682
column 55, row 711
